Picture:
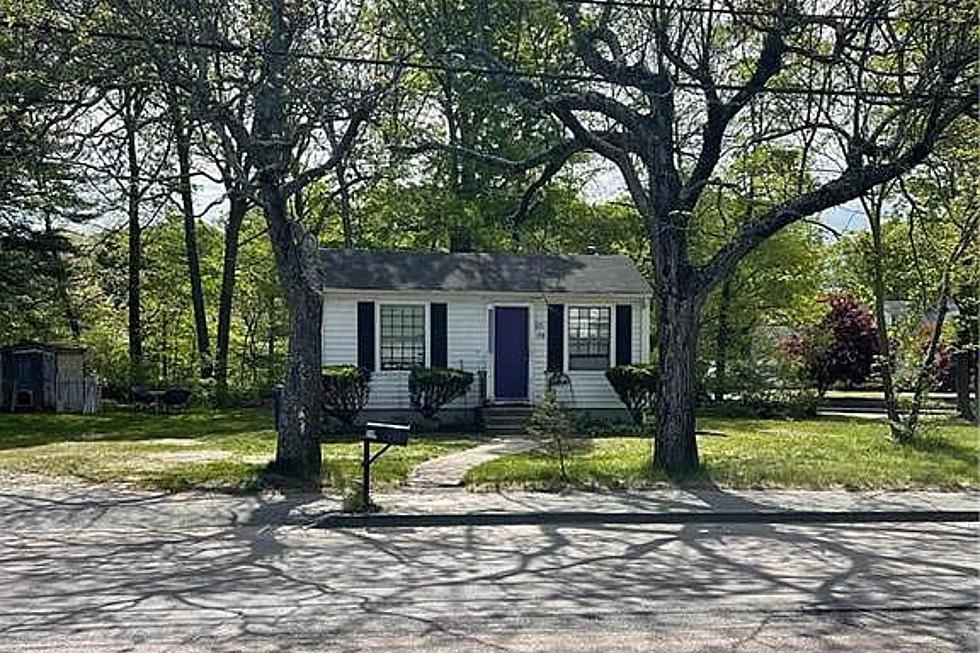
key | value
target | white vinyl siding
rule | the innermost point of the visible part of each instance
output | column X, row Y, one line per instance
column 467, row 342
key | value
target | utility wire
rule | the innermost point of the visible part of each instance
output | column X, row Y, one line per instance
column 761, row 13
column 234, row 48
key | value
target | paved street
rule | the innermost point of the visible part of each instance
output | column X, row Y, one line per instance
column 93, row 569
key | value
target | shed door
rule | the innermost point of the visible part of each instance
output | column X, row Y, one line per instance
column 27, row 377
column 510, row 353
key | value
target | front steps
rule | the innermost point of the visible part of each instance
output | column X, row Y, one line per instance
column 506, row 419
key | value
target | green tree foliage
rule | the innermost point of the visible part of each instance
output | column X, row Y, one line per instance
column 462, row 202
column 774, row 288
column 170, row 357
column 40, row 78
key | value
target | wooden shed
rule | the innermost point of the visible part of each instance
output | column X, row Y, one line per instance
column 44, row 376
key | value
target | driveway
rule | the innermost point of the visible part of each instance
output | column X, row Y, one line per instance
column 97, row 569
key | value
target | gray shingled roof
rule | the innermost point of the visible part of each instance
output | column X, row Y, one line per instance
column 364, row 270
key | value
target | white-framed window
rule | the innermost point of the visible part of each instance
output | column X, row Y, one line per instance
column 402, row 336
column 589, row 334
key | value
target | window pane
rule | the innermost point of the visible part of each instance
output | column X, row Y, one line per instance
column 589, row 329
column 402, row 336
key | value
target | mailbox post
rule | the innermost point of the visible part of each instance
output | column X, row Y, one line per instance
column 386, row 434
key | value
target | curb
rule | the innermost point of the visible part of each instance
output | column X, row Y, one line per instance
column 602, row 518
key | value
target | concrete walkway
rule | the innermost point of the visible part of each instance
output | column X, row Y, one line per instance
column 448, row 471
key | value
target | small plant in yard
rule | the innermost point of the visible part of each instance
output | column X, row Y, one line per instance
column 550, row 424
column 636, row 387
column 431, row 388
column 346, row 389
column 353, row 501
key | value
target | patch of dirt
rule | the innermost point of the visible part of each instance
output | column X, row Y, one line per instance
column 199, row 456
column 178, row 442
column 204, row 456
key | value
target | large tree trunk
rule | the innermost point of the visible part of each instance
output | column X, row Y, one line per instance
column 346, row 218
column 62, row 279
column 965, row 359
column 722, row 339
column 190, row 244
column 675, row 444
column 135, row 263
column 236, row 216
column 963, row 382
column 298, row 445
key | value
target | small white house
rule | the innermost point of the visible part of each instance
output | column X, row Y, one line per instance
column 512, row 320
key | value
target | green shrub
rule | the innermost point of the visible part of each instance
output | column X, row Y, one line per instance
column 773, row 403
column 550, row 424
column 346, row 389
column 431, row 388
column 636, row 387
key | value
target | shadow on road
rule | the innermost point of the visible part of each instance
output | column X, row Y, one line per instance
column 148, row 568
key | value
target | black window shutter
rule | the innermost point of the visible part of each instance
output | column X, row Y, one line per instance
column 556, row 337
column 437, row 335
column 365, row 335
column 624, row 334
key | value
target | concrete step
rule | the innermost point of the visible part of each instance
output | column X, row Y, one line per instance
column 515, row 419
column 506, row 420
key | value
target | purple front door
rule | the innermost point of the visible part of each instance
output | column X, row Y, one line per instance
column 510, row 353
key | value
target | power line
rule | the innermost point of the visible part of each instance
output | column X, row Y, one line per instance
column 756, row 13
column 234, row 48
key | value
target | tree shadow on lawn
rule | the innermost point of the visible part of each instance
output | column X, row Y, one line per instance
column 935, row 444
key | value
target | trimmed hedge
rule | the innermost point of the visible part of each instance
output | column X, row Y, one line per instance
column 431, row 388
column 636, row 387
column 346, row 389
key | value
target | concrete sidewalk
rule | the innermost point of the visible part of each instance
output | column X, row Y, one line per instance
column 31, row 503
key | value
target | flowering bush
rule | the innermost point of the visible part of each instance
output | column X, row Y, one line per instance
column 841, row 348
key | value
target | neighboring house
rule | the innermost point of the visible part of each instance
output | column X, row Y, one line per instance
column 898, row 310
column 512, row 320
column 41, row 376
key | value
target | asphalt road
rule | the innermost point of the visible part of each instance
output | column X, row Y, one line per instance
column 73, row 580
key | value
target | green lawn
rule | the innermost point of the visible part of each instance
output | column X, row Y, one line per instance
column 225, row 450
column 752, row 453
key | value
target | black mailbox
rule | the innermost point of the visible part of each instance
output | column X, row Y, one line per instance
column 396, row 434
column 386, row 434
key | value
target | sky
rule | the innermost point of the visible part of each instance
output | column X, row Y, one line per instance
column 848, row 217
column 603, row 185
